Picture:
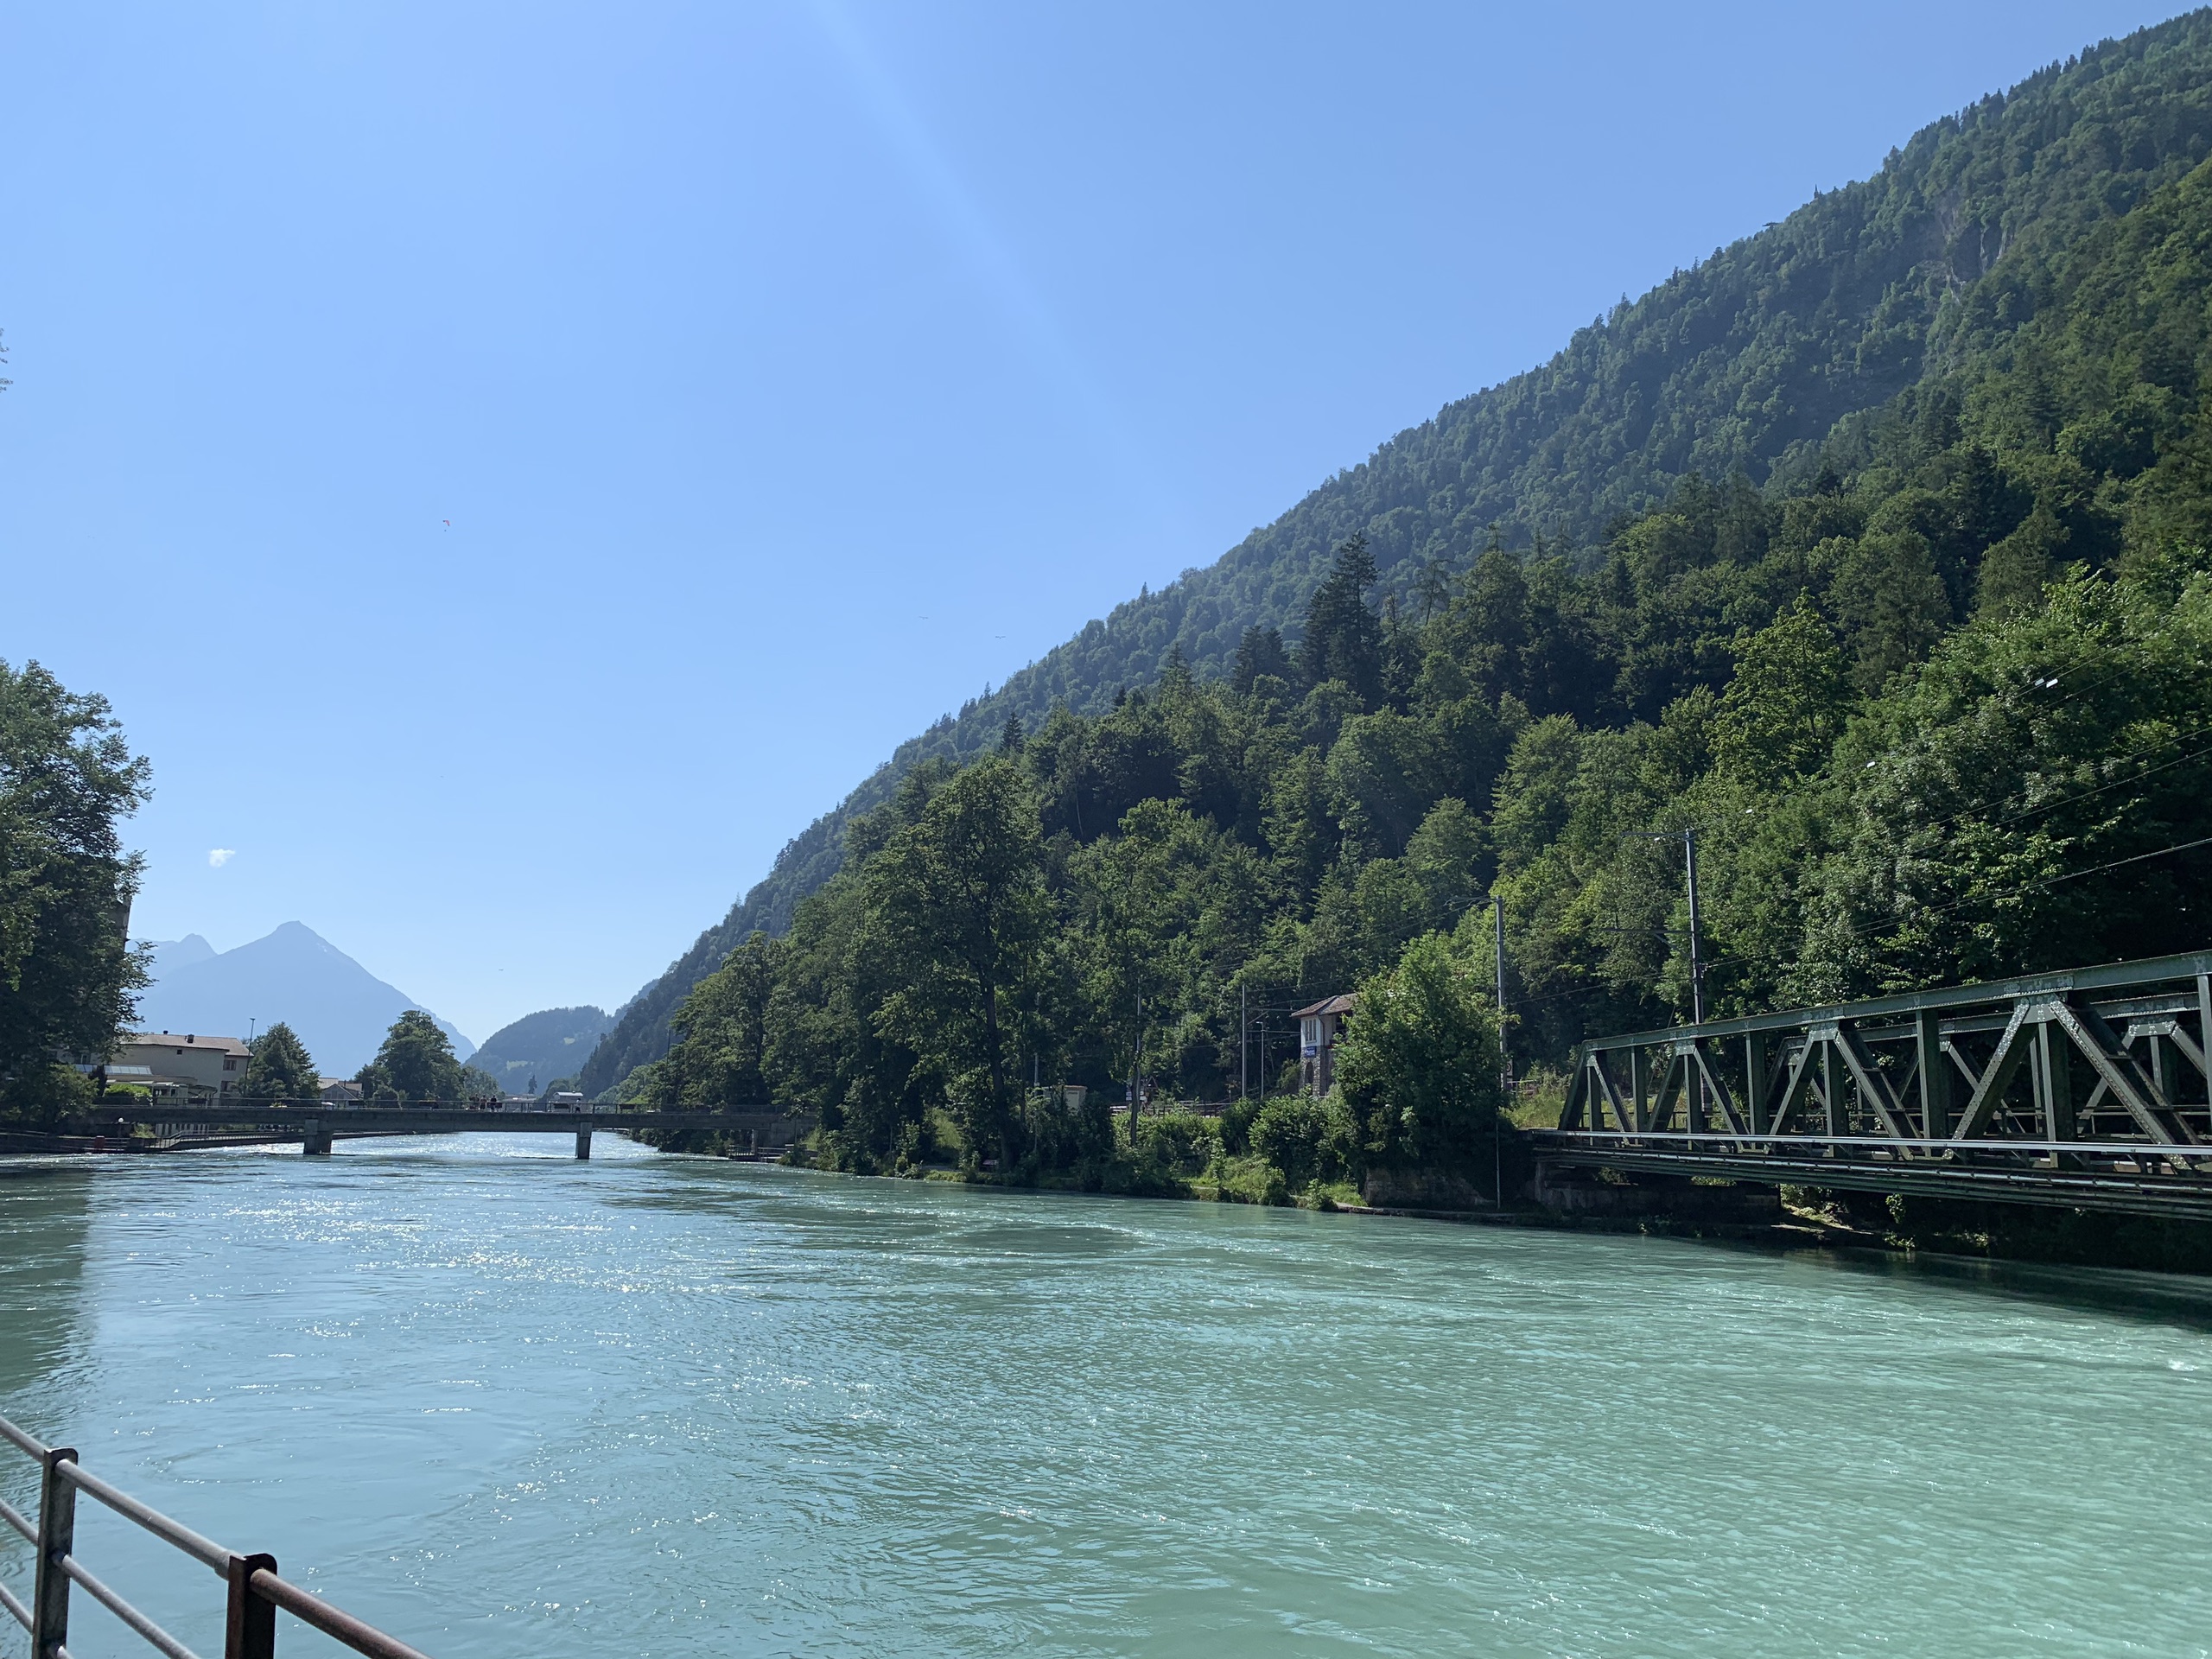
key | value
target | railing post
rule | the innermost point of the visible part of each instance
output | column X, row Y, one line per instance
column 250, row 1633
column 57, row 1537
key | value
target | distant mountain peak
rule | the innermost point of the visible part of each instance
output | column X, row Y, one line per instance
column 171, row 954
column 338, row 1007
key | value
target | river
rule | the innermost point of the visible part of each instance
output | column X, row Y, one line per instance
column 506, row 1404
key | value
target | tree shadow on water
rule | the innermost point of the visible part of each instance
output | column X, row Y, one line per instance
column 2131, row 1295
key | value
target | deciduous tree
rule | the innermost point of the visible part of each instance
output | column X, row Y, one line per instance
column 956, row 904
column 278, row 1068
column 1420, row 1063
column 415, row 1063
column 67, row 971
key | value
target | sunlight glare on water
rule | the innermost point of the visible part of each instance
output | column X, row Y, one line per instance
column 506, row 1404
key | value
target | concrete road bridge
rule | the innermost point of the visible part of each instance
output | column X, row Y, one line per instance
column 2087, row 1089
column 762, row 1130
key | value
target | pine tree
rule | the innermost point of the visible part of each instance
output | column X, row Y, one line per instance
column 1344, row 638
column 1259, row 652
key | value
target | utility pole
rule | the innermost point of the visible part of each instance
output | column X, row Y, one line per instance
column 1136, row 1075
column 1497, row 910
column 1689, row 864
column 1243, row 1048
column 1697, row 968
column 1505, row 1066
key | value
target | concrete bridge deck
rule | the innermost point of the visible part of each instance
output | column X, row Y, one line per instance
column 763, row 1128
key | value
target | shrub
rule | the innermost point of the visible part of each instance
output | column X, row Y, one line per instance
column 1182, row 1142
column 1308, row 1139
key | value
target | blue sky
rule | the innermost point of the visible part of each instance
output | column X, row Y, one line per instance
column 512, row 467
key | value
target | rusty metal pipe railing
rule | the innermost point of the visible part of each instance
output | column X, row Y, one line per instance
column 207, row 1550
column 310, row 1608
column 256, row 1591
column 122, row 1610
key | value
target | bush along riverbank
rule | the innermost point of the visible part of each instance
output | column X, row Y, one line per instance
column 1300, row 1151
column 1292, row 1150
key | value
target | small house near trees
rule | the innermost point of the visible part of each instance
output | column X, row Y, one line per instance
column 1320, row 1027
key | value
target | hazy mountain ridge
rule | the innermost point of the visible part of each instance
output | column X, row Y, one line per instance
column 1756, row 359
column 338, row 1008
column 544, row 1047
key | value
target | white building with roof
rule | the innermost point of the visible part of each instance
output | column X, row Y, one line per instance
column 193, row 1061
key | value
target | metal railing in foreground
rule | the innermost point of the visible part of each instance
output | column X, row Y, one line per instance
column 255, row 1591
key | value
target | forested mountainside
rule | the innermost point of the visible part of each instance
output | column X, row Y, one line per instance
column 1761, row 365
column 1941, row 712
column 542, row 1050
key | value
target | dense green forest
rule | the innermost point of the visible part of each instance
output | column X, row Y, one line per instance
column 1801, row 364
column 1936, row 704
column 541, row 1051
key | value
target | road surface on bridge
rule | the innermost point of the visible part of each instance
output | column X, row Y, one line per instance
column 764, row 1129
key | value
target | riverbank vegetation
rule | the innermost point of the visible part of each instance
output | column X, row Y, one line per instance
column 1935, row 710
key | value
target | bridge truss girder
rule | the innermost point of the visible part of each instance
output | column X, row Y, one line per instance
column 2093, row 1069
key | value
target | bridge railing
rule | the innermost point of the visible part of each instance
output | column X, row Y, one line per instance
column 255, row 1591
column 2089, row 1069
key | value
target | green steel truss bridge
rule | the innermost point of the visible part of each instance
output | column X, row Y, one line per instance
column 2087, row 1089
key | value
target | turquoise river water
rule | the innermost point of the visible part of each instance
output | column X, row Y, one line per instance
column 506, row 1404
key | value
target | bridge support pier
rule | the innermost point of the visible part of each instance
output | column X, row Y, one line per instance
column 317, row 1143
column 583, row 1141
